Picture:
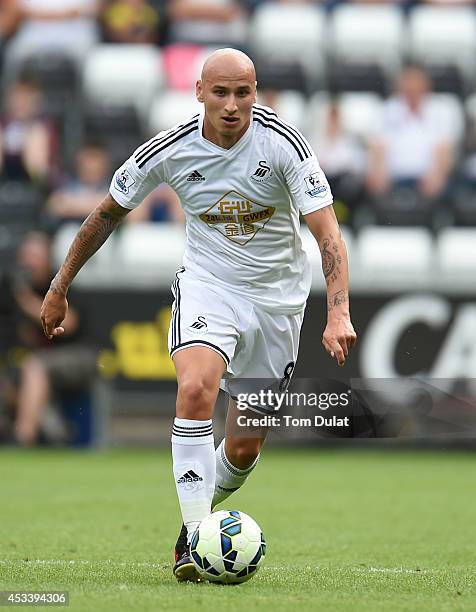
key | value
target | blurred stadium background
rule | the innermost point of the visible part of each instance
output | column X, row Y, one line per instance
column 386, row 94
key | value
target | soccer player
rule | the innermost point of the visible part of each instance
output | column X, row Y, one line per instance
column 243, row 176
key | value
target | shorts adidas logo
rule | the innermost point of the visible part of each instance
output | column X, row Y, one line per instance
column 189, row 476
column 195, row 177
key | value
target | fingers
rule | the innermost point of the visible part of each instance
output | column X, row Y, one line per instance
column 339, row 357
column 339, row 347
column 53, row 313
column 51, row 329
column 335, row 350
column 46, row 328
column 352, row 339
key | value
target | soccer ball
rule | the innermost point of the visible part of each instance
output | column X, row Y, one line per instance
column 227, row 547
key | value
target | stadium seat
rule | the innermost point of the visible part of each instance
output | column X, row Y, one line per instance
column 366, row 47
column 361, row 114
column 290, row 34
column 170, row 108
column 146, row 250
column 456, row 251
column 56, row 75
column 470, row 107
column 317, row 111
column 20, row 207
column 290, row 106
column 9, row 242
column 311, row 248
column 20, row 204
column 452, row 115
column 405, row 251
column 464, row 205
column 118, row 128
column 123, row 75
column 183, row 64
column 442, row 37
column 100, row 266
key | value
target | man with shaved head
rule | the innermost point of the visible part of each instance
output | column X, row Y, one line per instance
column 243, row 176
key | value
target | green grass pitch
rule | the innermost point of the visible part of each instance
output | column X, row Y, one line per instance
column 346, row 530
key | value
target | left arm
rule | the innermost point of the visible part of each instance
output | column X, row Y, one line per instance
column 310, row 190
column 437, row 176
column 9, row 17
column 30, row 304
column 339, row 336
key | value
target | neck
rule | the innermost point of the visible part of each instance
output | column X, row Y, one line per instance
column 415, row 105
column 225, row 141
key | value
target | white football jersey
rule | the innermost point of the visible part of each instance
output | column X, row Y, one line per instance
column 241, row 204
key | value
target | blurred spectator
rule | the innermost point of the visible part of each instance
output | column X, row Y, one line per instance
column 468, row 165
column 342, row 159
column 68, row 27
column 130, row 21
column 450, row 2
column 26, row 138
column 49, row 369
column 413, row 150
column 82, row 192
column 208, row 22
column 9, row 19
column 464, row 191
column 162, row 205
column 403, row 3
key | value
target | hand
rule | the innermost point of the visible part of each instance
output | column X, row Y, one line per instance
column 27, row 300
column 53, row 313
column 338, row 338
column 431, row 185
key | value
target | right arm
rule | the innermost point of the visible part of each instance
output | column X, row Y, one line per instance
column 185, row 9
column 9, row 17
column 377, row 179
column 58, row 14
column 91, row 236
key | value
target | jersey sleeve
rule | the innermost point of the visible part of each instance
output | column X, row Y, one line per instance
column 130, row 186
column 306, row 182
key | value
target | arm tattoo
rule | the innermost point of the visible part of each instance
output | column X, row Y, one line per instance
column 338, row 298
column 91, row 236
column 330, row 257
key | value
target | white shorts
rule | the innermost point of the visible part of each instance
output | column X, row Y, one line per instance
column 254, row 344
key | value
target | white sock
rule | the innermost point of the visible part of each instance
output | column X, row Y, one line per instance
column 193, row 452
column 228, row 477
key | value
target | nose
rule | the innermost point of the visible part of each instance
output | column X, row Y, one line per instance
column 231, row 106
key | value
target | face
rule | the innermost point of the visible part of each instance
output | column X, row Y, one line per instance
column 34, row 256
column 413, row 85
column 23, row 101
column 92, row 166
column 228, row 96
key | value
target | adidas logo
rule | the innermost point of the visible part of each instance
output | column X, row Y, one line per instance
column 189, row 476
column 195, row 177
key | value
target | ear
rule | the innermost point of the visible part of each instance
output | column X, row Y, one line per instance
column 199, row 90
column 255, row 96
